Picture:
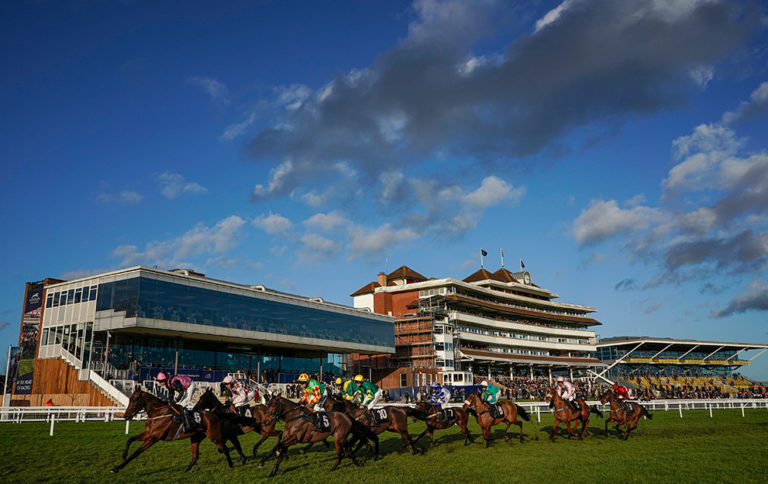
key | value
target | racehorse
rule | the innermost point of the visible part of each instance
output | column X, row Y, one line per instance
column 430, row 414
column 300, row 428
column 486, row 421
column 621, row 416
column 160, row 425
column 395, row 419
column 233, row 423
column 564, row 413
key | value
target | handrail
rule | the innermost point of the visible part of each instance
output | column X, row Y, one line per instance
column 111, row 391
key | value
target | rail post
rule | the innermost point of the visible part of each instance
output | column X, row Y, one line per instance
column 742, row 410
column 680, row 408
column 53, row 419
column 127, row 426
column 710, row 410
column 538, row 413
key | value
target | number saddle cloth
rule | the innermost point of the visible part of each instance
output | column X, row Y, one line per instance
column 379, row 416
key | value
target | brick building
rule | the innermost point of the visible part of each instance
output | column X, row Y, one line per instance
column 488, row 325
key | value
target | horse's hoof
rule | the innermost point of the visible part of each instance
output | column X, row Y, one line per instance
column 114, row 470
column 261, row 464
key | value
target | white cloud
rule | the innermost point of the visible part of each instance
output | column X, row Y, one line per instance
column 292, row 97
column 326, row 222
column 199, row 240
column 274, row 223
column 123, row 196
column 317, row 247
column 279, row 176
column 700, row 153
column 605, row 219
column 216, row 89
column 237, row 129
column 173, row 185
column 493, row 191
column 371, row 242
column 552, row 16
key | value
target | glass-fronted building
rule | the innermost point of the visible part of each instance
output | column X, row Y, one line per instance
column 131, row 323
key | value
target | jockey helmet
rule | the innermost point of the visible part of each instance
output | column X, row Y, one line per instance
column 560, row 379
column 228, row 379
column 358, row 377
column 435, row 384
column 615, row 386
column 161, row 376
column 484, row 383
column 338, row 381
column 303, row 377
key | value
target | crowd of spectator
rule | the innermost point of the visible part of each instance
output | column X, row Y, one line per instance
column 650, row 386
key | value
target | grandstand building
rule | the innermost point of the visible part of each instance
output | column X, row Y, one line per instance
column 628, row 355
column 486, row 325
column 132, row 323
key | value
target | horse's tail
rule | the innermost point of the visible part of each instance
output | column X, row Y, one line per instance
column 595, row 410
column 523, row 413
column 645, row 411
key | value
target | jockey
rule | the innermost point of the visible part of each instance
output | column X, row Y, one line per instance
column 370, row 392
column 314, row 394
column 566, row 391
column 241, row 391
column 349, row 390
column 490, row 392
column 184, row 387
column 621, row 392
column 440, row 396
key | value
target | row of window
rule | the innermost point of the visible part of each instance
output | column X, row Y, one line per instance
column 504, row 334
column 439, row 362
column 443, row 346
column 75, row 338
column 517, row 351
column 521, row 306
column 71, row 296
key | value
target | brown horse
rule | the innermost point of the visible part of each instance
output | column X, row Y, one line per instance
column 621, row 416
column 396, row 420
column 160, row 425
column 564, row 413
column 486, row 421
column 300, row 428
column 235, row 424
column 431, row 415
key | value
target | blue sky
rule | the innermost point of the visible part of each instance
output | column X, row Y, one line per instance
column 618, row 148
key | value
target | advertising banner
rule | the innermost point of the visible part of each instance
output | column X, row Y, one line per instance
column 30, row 321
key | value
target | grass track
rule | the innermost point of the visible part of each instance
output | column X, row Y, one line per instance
column 727, row 448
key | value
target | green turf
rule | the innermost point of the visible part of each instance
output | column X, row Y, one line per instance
column 726, row 448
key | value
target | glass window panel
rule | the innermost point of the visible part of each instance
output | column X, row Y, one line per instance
column 93, row 293
column 70, row 296
column 78, row 295
column 63, row 299
column 154, row 299
column 44, row 340
column 85, row 293
column 56, row 299
column 49, row 300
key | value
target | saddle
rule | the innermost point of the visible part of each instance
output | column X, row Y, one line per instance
column 446, row 415
column 190, row 420
column 244, row 411
column 628, row 408
column 496, row 410
column 321, row 421
column 379, row 416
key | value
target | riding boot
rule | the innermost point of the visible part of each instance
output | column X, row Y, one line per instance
column 188, row 427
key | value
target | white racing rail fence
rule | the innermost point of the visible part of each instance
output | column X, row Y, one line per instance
column 55, row 414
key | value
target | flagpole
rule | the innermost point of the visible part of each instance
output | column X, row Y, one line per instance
column 502, row 257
